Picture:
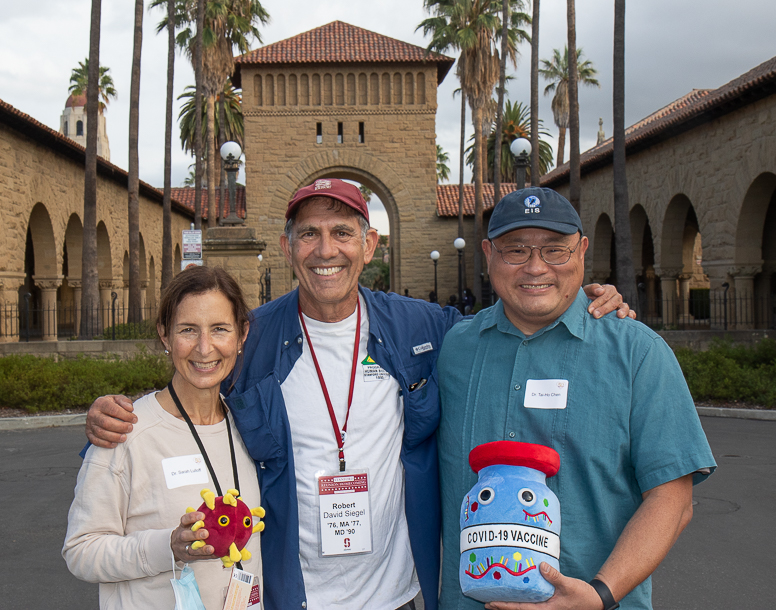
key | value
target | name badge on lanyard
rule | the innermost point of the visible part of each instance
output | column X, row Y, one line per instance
column 344, row 513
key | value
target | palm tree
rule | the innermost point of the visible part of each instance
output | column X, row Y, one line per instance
column 90, row 294
column 233, row 129
column 500, row 104
column 573, row 94
column 626, row 277
column 79, row 78
column 226, row 25
column 167, row 271
column 535, row 172
column 516, row 124
column 442, row 169
column 133, row 185
column 473, row 27
column 366, row 192
column 557, row 72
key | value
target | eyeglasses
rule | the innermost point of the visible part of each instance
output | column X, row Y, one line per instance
column 552, row 255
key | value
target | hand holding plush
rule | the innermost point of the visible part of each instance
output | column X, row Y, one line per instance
column 229, row 523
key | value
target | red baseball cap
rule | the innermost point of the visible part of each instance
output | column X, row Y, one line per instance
column 334, row 188
column 513, row 453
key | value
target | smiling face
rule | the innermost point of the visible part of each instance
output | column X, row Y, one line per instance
column 203, row 339
column 535, row 294
column 328, row 253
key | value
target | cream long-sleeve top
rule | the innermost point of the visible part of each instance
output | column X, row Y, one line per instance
column 123, row 514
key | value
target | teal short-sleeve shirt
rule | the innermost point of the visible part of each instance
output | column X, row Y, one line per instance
column 629, row 425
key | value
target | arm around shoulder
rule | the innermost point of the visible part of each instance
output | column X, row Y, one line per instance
column 109, row 420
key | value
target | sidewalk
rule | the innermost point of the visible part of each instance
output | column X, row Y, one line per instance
column 79, row 419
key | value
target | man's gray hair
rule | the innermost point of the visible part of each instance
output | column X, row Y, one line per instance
column 334, row 205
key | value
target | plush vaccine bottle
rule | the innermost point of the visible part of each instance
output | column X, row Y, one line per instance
column 510, row 523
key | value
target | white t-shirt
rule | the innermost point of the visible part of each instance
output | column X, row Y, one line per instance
column 384, row 579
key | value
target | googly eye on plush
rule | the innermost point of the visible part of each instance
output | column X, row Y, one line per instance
column 248, row 522
column 223, row 521
column 526, row 497
column 486, row 495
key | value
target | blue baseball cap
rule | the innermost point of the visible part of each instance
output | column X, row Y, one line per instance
column 534, row 207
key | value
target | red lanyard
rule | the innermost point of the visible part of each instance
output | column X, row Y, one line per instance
column 340, row 436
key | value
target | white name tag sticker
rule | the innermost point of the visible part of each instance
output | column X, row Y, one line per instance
column 345, row 518
column 546, row 393
column 184, row 470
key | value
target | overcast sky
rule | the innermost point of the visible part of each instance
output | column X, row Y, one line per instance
column 672, row 47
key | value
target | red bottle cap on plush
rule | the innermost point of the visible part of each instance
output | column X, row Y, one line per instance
column 337, row 189
column 513, row 453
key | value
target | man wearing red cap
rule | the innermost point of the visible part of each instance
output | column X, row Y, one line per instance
column 339, row 377
column 608, row 396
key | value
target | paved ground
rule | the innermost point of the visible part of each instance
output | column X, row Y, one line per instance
column 723, row 560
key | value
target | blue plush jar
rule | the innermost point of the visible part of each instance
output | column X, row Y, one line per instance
column 510, row 523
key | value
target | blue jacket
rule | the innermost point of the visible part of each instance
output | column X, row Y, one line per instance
column 396, row 325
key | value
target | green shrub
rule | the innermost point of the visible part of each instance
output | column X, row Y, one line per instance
column 41, row 384
column 728, row 372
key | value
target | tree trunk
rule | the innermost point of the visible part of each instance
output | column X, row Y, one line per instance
column 478, row 216
column 626, row 277
column 535, row 95
column 167, row 271
column 461, row 162
column 212, row 189
column 133, row 208
column 500, row 108
column 561, row 145
column 574, row 168
column 90, row 291
column 224, row 210
column 198, row 147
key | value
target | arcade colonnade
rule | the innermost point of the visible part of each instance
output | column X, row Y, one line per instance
column 702, row 197
column 41, row 209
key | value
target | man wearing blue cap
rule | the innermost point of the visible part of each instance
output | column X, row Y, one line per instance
column 609, row 397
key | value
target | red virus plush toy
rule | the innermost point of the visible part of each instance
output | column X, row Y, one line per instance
column 229, row 523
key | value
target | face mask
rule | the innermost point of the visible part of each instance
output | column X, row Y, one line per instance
column 186, row 591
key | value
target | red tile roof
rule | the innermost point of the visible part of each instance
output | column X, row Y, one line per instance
column 25, row 124
column 689, row 111
column 447, row 197
column 339, row 42
column 186, row 194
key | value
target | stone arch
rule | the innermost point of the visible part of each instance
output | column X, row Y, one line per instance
column 644, row 263
column 69, row 293
column 151, row 288
column 104, row 257
column 359, row 167
column 754, row 267
column 602, row 249
column 43, row 243
column 41, row 276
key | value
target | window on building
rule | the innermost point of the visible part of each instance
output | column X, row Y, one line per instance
column 79, row 128
column 65, row 127
column 361, row 133
column 319, row 132
column 339, row 133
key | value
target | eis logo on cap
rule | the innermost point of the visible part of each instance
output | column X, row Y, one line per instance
column 322, row 184
column 532, row 204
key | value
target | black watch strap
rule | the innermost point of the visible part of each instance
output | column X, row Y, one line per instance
column 605, row 594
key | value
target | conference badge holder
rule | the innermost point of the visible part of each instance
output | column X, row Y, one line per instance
column 344, row 513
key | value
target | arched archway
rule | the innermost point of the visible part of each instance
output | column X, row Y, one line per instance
column 755, row 255
column 41, row 266
column 150, row 290
column 603, row 244
column 69, row 293
column 644, row 264
column 684, row 285
column 104, row 272
column 176, row 267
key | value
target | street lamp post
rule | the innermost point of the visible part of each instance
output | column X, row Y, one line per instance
column 521, row 148
column 230, row 153
column 460, row 244
column 435, row 257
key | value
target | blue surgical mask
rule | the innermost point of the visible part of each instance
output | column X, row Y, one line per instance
column 186, row 590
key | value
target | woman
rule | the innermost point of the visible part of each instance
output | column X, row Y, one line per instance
column 121, row 527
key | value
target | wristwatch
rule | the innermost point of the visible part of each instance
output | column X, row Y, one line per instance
column 605, row 594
